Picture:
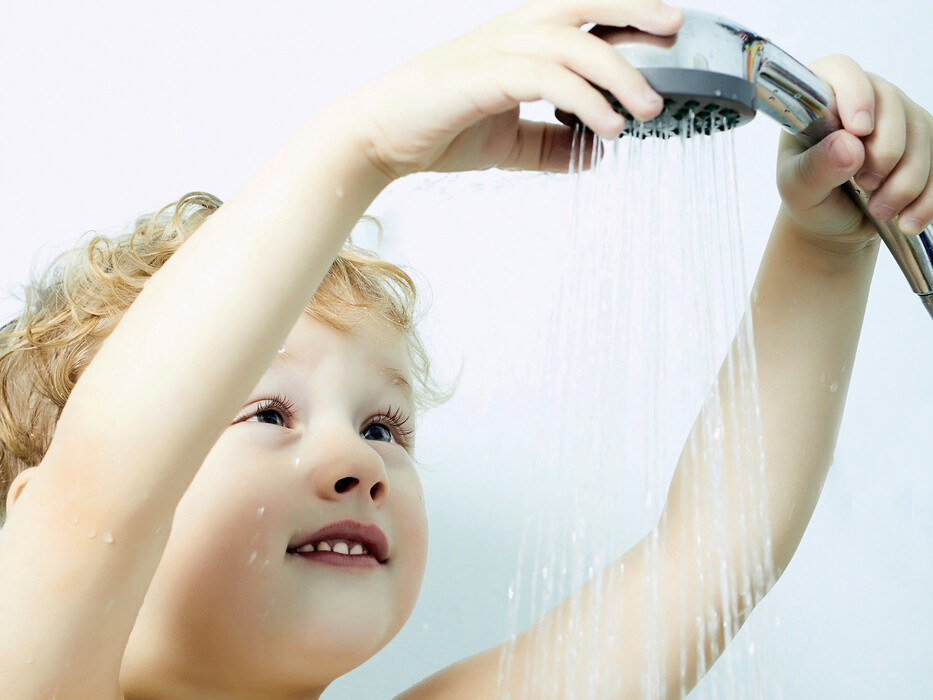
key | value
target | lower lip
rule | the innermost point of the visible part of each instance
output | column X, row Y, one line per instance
column 347, row 561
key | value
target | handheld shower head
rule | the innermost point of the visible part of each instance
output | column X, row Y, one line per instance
column 715, row 75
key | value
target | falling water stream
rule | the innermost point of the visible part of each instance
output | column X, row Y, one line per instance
column 653, row 295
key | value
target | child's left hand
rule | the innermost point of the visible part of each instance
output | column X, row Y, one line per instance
column 885, row 144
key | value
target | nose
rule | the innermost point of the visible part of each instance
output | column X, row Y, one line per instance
column 343, row 465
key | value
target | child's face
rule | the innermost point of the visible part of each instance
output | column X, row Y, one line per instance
column 232, row 601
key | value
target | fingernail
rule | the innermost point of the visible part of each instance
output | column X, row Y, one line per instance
column 869, row 180
column 652, row 99
column 863, row 121
column 841, row 154
column 911, row 226
column 882, row 212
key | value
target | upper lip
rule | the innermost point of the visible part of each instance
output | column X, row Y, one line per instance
column 367, row 534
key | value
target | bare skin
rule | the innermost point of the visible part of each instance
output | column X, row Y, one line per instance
column 454, row 108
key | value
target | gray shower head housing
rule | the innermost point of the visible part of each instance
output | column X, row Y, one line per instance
column 715, row 75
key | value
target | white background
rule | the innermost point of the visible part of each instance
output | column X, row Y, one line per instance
column 109, row 109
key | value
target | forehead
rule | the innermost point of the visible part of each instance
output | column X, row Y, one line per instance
column 373, row 347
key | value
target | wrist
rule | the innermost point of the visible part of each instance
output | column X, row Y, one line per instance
column 833, row 254
column 338, row 138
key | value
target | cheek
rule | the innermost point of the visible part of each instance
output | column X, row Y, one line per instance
column 412, row 526
column 223, row 527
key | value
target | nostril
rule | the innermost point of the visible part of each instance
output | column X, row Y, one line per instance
column 377, row 490
column 346, row 484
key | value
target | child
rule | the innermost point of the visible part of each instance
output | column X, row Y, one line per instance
column 158, row 541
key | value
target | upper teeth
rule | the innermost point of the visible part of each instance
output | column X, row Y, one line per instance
column 338, row 546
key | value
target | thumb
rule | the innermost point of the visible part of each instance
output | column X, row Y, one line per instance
column 806, row 178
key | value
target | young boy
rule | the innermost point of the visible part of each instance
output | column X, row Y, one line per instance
column 202, row 516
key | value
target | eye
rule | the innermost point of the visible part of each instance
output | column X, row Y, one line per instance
column 391, row 426
column 274, row 411
column 376, row 431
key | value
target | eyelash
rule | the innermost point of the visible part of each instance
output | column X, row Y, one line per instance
column 278, row 402
column 398, row 422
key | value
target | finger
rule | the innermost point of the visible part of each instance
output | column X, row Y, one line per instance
column 549, row 148
column 528, row 79
column 909, row 178
column 918, row 215
column 885, row 146
column 593, row 59
column 651, row 16
column 806, row 179
column 855, row 95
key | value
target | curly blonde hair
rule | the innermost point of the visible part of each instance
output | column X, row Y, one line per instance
column 78, row 301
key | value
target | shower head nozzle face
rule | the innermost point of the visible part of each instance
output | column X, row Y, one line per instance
column 695, row 102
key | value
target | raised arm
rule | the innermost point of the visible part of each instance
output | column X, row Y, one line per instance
column 171, row 377
column 807, row 307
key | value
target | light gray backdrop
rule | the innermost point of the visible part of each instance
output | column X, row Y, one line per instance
column 111, row 108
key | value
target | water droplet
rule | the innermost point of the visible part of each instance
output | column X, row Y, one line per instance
column 771, row 98
column 260, row 510
column 74, row 519
column 718, row 93
column 281, row 350
column 511, row 592
column 108, row 538
column 92, row 532
column 834, row 387
column 295, row 461
column 252, row 557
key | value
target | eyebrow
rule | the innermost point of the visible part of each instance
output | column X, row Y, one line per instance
column 392, row 376
column 395, row 378
column 281, row 359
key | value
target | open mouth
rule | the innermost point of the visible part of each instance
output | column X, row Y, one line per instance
column 345, row 543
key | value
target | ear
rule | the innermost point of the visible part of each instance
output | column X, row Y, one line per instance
column 16, row 488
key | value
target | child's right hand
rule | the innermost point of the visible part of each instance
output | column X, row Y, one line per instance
column 456, row 107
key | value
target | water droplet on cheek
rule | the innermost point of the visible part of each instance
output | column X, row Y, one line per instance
column 108, row 538
column 834, row 387
column 281, row 350
column 92, row 533
column 296, row 461
column 260, row 510
column 252, row 558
